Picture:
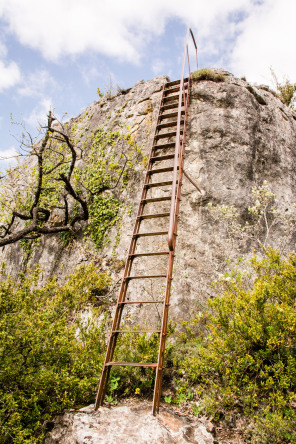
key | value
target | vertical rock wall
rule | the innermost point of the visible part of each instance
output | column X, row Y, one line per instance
column 238, row 136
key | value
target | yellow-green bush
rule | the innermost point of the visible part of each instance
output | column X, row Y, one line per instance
column 50, row 358
column 247, row 362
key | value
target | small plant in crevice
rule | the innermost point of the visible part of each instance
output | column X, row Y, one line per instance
column 66, row 238
column 208, row 74
column 28, row 246
column 263, row 216
column 286, row 90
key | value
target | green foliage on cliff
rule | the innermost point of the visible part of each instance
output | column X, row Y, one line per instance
column 208, row 74
column 107, row 169
column 68, row 181
column 52, row 347
column 286, row 90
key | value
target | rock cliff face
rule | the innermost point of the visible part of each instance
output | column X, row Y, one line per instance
column 238, row 136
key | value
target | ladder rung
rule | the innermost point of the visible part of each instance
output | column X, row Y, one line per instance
column 156, row 253
column 173, row 90
column 167, row 135
column 169, row 115
column 160, row 158
column 165, row 145
column 132, row 364
column 153, row 233
column 140, row 302
column 169, row 98
column 168, row 124
column 146, row 276
column 153, row 216
column 156, row 199
column 170, row 106
column 175, row 82
column 160, row 170
column 158, row 184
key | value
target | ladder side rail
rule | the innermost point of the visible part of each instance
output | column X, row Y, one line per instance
column 163, row 336
column 195, row 45
column 188, row 61
column 171, row 230
column 173, row 201
column 123, row 288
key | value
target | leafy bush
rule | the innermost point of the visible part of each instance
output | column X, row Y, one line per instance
column 287, row 93
column 108, row 166
column 208, row 74
column 285, row 89
column 137, row 347
column 52, row 350
column 50, row 356
column 247, row 362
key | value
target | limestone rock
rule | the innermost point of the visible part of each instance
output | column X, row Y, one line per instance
column 238, row 136
column 129, row 425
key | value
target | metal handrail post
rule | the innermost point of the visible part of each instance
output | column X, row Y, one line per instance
column 177, row 144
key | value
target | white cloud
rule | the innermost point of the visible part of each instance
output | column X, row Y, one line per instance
column 267, row 40
column 36, row 83
column 9, row 71
column 10, row 152
column 247, row 36
column 90, row 73
column 38, row 115
column 158, row 66
column 8, row 158
column 116, row 28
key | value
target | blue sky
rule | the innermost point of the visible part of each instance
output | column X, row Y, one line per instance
column 58, row 53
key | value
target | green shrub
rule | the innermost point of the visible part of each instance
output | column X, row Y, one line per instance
column 50, row 358
column 134, row 347
column 108, row 166
column 287, row 93
column 286, row 90
column 52, row 347
column 247, row 363
column 208, row 74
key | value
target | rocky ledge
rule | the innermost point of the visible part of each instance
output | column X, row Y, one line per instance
column 131, row 424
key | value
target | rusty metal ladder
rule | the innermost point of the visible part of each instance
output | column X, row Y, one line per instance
column 168, row 145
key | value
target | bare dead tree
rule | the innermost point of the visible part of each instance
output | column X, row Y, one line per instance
column 37, row 217
column 54, row 195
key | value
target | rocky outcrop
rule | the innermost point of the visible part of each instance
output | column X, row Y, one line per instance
column 135, row 112
column 131, row 424
column 238, row 136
